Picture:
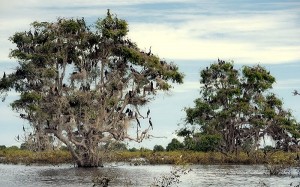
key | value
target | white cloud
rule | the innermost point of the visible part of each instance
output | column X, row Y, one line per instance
column 250, row 39
column 189, row 34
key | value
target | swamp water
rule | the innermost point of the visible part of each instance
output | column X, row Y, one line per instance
column 126, row 175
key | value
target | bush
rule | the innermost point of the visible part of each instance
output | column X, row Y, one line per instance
column 207, row 143
column 174, row 145
column 13, row 148
column 2, row 147
column 133, row 149
column 202, row 142
column 157, row 148
column 24, row 146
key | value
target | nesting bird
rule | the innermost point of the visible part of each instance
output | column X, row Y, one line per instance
column 148, row 88
column 105, row 74
column 149, row 53
column 150, row 123
column 137, row 120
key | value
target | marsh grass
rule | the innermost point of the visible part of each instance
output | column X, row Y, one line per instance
column 279, row 163
column 270, row 159
column 29, row 157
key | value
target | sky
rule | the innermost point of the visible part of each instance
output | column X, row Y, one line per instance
column 191, row 33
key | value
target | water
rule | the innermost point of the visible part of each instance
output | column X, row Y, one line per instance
column 125, row 175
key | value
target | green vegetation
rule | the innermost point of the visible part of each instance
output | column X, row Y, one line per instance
column 15, row 155
column 272, row 159
column 83, row 85
column 91, row 109
column 158, row 148
column 236, row 110
column 174, row 145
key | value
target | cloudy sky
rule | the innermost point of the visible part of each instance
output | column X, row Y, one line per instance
column 192, row 33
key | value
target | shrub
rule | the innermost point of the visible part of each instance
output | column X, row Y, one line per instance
column 2, row 147
column 175, row 145
column 133, row 149
column 157, row 148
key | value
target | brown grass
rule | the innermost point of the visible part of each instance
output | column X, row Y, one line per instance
column 174, row 157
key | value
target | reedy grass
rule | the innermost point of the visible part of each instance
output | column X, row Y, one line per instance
column 173, row 157
column 30, row 157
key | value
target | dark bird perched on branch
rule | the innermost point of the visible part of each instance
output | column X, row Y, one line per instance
column 221, row 61
column 150, row 123
column 295, row 92
column 151, row 86
column 105, row 74
column 130, row 113
column 148, row 112
column 132, row 69
column 137, row 120
column 148, row 88
column 130, row 94
column 48, row 124
column 18, row 137
column 149, row 53
column 23, row 128
column 30, row 35
column 4, row 75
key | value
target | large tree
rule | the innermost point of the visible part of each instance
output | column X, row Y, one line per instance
column 84, row 85
column 240, row 109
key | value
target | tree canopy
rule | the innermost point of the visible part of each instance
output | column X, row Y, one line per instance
column 239, row 108
column 84, row 85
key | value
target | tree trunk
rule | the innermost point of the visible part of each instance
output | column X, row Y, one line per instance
column 83, row 157
column 88, row 159
column 88, row 162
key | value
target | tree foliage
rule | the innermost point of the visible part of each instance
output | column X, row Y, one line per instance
column 202, row 142
column 158, row 148
column 174, row 145
column 84, row 85
column 239, row 108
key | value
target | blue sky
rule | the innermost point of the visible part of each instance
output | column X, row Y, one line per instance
column 192, row 33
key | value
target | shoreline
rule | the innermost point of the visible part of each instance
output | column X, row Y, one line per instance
column 154, row 158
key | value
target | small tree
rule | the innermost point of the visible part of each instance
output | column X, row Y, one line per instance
column 174, row 145
column 2, row 147
column 158, row 148
column 202, row 142
column 84, row 85
column 133, row 149
column 239, row 108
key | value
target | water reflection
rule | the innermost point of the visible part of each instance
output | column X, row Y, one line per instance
column 125, row 175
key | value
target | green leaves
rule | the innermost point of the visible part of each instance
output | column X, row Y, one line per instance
column 258, row 77
column 28, row 101
column 237, row 107
column 112, row 27
column 70, row 26
column 75, row 81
